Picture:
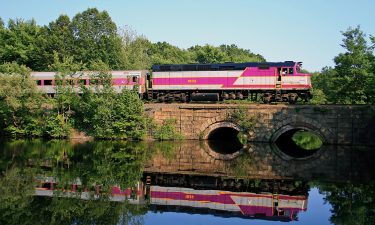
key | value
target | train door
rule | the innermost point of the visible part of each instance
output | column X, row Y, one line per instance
column 278, row 82
column 281, row 72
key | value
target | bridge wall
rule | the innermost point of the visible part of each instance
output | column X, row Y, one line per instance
column 335, row 124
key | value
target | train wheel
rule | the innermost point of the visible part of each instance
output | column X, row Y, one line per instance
column 161, row 98
column 266, row 98
column 239, row 95
column 183, row 98
column 292, row 98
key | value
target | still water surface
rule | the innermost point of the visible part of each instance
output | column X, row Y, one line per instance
column 104, row 182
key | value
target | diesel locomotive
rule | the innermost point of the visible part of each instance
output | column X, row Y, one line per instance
column 273, row 81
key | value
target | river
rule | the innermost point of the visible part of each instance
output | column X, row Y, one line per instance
column 183, row 182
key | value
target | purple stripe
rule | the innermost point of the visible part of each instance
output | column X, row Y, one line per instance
column 252, row 210
column 224, row 199
column 195, row 81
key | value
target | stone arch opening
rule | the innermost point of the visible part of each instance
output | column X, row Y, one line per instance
column 222, row 138
column 286, row 144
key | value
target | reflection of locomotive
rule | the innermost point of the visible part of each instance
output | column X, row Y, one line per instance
column 276, row 81
column 263, row 205
column 266, row 199
column 254, row 201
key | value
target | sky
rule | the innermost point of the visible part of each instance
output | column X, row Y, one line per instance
column 280, row 30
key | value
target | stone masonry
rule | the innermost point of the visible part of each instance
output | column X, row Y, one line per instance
column 335, row 124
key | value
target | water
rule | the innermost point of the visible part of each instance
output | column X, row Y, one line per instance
column 187, row 182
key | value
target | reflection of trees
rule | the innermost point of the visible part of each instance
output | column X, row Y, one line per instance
column 351, row 203
column 105, row 163
column 16, row 189
column 70, row 210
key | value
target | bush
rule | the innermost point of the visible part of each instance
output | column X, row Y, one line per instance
column 167, row 131
column 241, row 117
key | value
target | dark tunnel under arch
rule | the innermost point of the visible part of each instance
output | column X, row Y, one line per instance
column 286, row 144
column 224, row 140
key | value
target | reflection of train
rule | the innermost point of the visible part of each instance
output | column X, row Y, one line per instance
column 257, row 202
column 48, row 186
column 275, row 81
column 265, row 205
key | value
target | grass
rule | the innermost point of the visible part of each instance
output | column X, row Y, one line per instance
column 307, row 140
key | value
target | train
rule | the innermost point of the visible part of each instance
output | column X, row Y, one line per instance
column 272, row 81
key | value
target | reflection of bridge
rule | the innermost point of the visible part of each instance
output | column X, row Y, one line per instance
column 266, row 161
column 341, row 124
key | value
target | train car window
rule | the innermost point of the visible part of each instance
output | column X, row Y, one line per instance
column 47, row 82
column 285, row 71
column 38, row 82
column 290, row 71
column 135, row 79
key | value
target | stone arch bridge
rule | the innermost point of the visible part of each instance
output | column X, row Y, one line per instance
column 335, row 124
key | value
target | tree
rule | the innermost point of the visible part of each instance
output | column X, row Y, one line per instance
column 57, row 37
column 20, row 105
column 352, row 68
column 14, row 68
column 95, row 38
column 18, row 42
column 236, row 54
column 136, row 50
column 165, row 53
column 208, row 54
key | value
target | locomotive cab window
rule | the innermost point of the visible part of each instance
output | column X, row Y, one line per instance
column 290, row 71
column 284, row 71
column 135, row 79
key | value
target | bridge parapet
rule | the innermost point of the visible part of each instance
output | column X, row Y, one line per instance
column 335, row 124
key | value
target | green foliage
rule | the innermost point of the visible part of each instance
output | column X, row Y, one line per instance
column 56, row 40
column 224, row 53
column 307, row 140
column 18, row 42
column 14, row 68
column 167, row 131
column 95, row 38
column 242, row 137
column 56, row 127
column 352, row 80
column 24, row 111
column 241, row 117
column 16, row 195
column 351, row 203
column 110, row 115
column 105, row 163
